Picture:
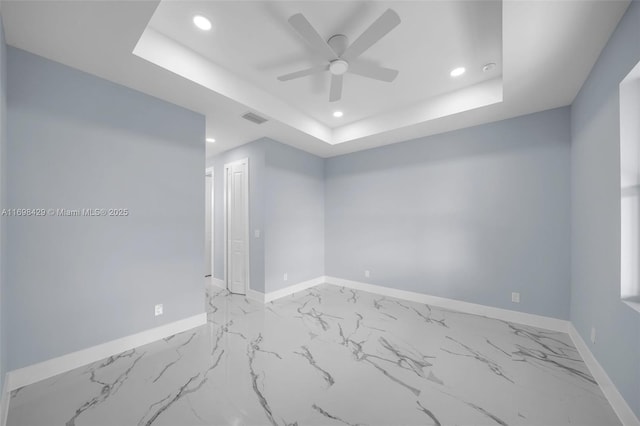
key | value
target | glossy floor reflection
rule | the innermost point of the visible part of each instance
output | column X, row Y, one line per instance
column 328, row 356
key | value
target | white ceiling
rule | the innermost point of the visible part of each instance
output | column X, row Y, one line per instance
column 253, row 40
column 547, row 49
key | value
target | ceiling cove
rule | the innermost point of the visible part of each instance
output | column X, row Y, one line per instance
column 254, row 52
column 542, row 50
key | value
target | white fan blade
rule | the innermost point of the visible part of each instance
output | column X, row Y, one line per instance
column 373, row 71
column 385, row 23
column 303, row 73
column 335, row 93
column 311, row 36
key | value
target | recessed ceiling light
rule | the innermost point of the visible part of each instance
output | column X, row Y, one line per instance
column 212, row 140
column 458, row 72
column 338, row 114
column 488, row 67
column 202, row 22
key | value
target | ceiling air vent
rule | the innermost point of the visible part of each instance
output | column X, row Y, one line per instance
column 254, row 118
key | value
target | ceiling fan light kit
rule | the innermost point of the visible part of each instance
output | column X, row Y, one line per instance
column 341, row 56
column 338, row 67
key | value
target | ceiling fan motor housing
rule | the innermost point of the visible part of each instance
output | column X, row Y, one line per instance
column 338, row 43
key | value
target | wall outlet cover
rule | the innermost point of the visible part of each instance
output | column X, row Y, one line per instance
column 367, row 273
column 159, row 309
column 286, row 276
column 515, row 297
column 593, row 335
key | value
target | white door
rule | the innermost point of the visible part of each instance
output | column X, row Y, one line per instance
column 208, row 226
column 237, row 226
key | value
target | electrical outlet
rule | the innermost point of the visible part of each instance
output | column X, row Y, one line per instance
column 286, row 276
column 159, row 309
column 256, row 233
column 515, row 297
column 367, row 273
column 593, row 335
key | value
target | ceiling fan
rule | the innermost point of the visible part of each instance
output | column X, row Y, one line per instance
column 342, row 56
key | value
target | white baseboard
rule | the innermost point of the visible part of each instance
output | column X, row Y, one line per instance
column 620, row 406
column 43, row 370
column 217, row 282
column 5, row 398
column 257, row 296
column 457, row 305
column 287, row 291
column 261, row 297
column 251, row 294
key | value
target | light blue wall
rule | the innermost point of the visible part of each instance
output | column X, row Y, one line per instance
column 286, row 204
column 595, row 178
column 254, row 152
column 294, row 216
column 471, row 215
column 3, row 198
column 77, row 141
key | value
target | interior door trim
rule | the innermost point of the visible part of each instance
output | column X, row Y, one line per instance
column 228, row 167
column 209, row 172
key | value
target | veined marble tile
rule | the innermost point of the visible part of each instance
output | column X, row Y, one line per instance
column 328, row 356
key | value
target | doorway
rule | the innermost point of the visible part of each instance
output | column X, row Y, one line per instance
column 209, row 223
column 236, row 209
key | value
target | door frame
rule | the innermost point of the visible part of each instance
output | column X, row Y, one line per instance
column 227, row 167
column 209, row 172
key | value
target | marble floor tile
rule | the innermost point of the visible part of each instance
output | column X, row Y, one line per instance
column 328, row 356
